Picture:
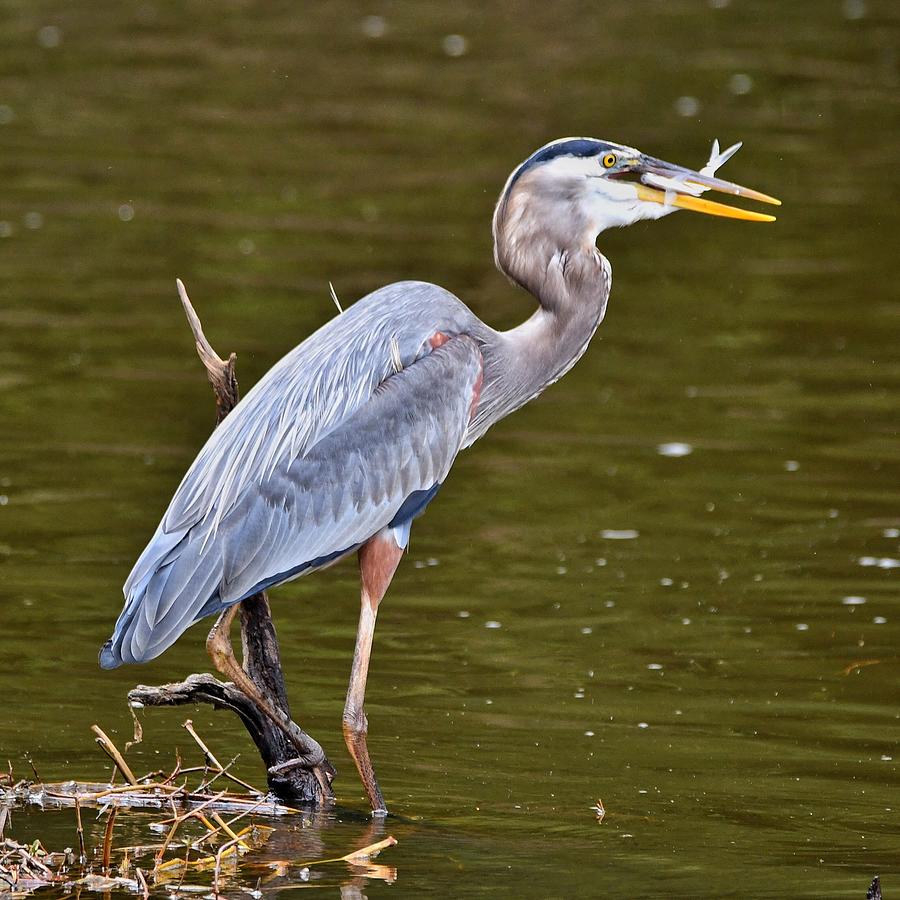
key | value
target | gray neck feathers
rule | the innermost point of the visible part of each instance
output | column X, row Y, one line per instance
column 542, row 243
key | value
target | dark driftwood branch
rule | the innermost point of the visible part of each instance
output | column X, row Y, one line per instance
column 290, row 761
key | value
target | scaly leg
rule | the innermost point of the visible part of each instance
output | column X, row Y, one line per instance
column 218, row 645
column 378, row 560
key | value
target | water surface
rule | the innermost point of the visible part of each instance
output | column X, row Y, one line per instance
column 637, row 588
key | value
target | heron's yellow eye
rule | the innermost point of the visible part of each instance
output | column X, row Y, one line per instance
column 609, row 160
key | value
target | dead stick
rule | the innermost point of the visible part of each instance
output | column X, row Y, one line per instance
column 220, row 373
column 213, row 830
column 37, row 777
column 168, row 789
column 112, row 751
column 107, row 838
column 82, row 855
column 210, row 758
column 191, row 814
column 216, row 872
column 189, row 728
column 225, row 772
column 144, row 887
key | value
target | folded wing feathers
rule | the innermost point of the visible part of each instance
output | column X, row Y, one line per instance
column 308, row 394
column 319, row 462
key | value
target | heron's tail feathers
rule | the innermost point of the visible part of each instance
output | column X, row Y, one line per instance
column 171, row 587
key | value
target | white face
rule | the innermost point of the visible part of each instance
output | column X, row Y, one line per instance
column 604, row 201
column 558, row 200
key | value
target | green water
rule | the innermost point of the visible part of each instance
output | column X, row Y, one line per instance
column 692, row 676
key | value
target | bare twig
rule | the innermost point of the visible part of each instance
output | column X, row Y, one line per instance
column 213, row 830
column 138, row 730
column 179, row 819
column 112, row 751
column 82, row 855
column 207, row 753
column 357, row 856
column 107, row 838
column 334, row 297
column 219, row 854
column 37, row 777
column 143, row 883
column 225, row 772
column 219, row 371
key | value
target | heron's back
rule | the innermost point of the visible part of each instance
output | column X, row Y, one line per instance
column 310, row 464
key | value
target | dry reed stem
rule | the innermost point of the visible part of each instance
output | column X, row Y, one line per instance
column 213, row 830
column 214, row 821
column 107, row 837
column 218, row 868
column 143, row 882
column 207, row 753
column 182, row 818
column 112, row 751
column 226, row 773
column 227, row 829
column 356, row 856
column 82, row 857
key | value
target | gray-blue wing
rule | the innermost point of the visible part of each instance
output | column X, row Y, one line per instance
column 375, row 470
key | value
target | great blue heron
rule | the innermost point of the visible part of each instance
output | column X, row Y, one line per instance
column 349, row 437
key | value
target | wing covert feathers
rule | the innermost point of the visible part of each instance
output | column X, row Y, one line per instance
column 304, row 471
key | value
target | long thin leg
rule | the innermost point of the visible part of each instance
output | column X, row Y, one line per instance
column 218, row 645
column 378, row 560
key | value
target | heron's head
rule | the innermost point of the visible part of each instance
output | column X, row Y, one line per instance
column 570, row 190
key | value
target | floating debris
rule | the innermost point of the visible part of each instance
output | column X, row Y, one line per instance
column 204, row 831
column 620, row 534
column 687, row 106
column 49, row 37
column 740, row 83
column 880, row 562
column 860, row 664
column 455, row 45
column 374, row 27
column 674, row 449
column 854, row 10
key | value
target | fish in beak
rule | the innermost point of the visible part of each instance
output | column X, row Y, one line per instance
column 671, row 185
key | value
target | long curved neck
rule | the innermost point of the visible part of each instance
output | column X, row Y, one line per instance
column 571, row 281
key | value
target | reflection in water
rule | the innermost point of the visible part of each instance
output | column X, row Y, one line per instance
column 264, row 153
column 296, row 858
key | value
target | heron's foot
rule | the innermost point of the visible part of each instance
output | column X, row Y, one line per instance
column 323, row 772
column 310, row 762
column 356, row 730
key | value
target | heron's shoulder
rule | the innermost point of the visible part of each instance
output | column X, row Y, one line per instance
column 313, row 389
column 404, row 296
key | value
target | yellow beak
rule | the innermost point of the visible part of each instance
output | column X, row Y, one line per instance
column 698, row 204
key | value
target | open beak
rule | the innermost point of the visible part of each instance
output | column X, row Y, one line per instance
column 673, row 185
